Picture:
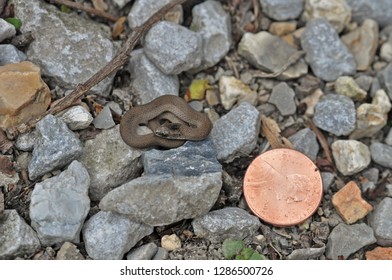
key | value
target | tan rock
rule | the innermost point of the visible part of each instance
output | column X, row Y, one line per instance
column 23, row 94
column 282, row 28
column 233, row 90
column 346, row 85
column 311, row 101
column 379, row 253
column 349, row 203
column 171, row 242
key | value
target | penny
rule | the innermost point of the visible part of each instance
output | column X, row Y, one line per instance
column 283, row 187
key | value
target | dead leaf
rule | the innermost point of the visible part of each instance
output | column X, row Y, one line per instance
column 6, row 165
column 5, row 144
column 271, row 131
column 118, row 27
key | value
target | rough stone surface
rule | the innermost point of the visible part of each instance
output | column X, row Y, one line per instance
column 56, row 147
column 351, row 156
column 17, row 239
column 147, row 81
column 371, row 174
column 60, row 204
column 282, row 9
column 110, row 162
column 26, row 141
column 104, row 120
column 381, row 222
column 7, row 30
column 67, row 42
column 108, row 236
column 347, row 86
column 236, row 133
column 162, row 254
column 381, row 154
column 212, row 22
column 144, row 252
column 349, row 203
column 385, row 77
column 69, row 251
column 380, row 11
column 305, row 141
column 23, row 94
column 327, row 179
column 173, row 48
column 10, row 54
column 77, row 118
column 171, row 242
column 379, row 253
column 233, row 90
column 335, row 114
column 229, row 222
column 305, row 254
column 345, row 240
column 282, row 96
column 328, row 57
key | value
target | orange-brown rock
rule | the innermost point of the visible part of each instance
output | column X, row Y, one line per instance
column 379, row 253
column 349, row 203
column 23, row 94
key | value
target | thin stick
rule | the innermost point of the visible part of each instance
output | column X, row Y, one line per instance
column 86, row 9
column 119, row 60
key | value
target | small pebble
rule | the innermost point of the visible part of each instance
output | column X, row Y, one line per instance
column 171, row 242
column 381, row 154
column 282, row 96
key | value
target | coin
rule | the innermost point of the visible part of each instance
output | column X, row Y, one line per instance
column 283, row 187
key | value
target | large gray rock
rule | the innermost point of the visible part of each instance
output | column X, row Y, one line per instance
column 305, row 141
column 68, row 42
column 17, row 239
column 229, row 222
column 212, row 22
column 108, row 236
column 381, row 222
column 379, row 10
column 236, row 133
column 60, row 204
column 148, row 82
column 282, row 9
column 55, row 147
column 110, row 162
column 381, row 154
column 326, row 54
column 336, row 114
column 345, row 240
column 173, row 48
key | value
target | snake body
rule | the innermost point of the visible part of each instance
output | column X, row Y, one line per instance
column 165, row 113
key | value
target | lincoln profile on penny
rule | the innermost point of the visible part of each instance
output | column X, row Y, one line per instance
column 170, row 120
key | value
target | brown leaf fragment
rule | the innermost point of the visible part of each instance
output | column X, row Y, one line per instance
column 118, row 27
column 6, row 165
column 5, row 144
column 271, row 131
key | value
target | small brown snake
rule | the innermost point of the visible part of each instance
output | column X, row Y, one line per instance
column 171, row 120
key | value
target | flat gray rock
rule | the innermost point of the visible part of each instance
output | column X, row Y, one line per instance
column 60, row 204
column 17, row 239
column 10, row 54
column 55, row 147
column 385, row 77
column 173, row 48
column 305, row 141
column 306, row 254
column 148, row 82
column 236, row 133
column 282, row 96
column 213, row 23
column 77, row 117
column 68, row 42
column 104, row 120
column 326, row 54
column 379, row 10
column 381, row 222
column 110, row 162
column 162, row 254
column 345, row 240
column 381, row 154
column 7, row 30
column 144, row 252
column 282, row 10
column 327, row 179
column 336, row 114
column 108, row 236
column 229, row 222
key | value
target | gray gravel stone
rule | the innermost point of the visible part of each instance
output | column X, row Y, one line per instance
column 144, row 252
column 282, row 96
column 148, row 82
column 371, row 174
column 381, row 222
column 388, row 188
column 68, row 42
column 26, row 141
column 351, row 156
column 381, row 154
column 327, row 179
column 306, row 254
column 345, row 240
column 104, row 120
column 385, row 77
column 7, row 30
column 108, row 236
column 173, row 48
column 335, row 114
column 388, row 138
column 213, row 23
column 236, row 133
column 229, row 222
column 281, row 10
column 69, row 251
column 164, row 199
column 305, row 141
column 162, row 254
column 328, row 57
column 110, row 162
column 379, row 10
column 56, row 147
column 17, row 239
column 10, row 54
column 60, row 204
column 77, row 118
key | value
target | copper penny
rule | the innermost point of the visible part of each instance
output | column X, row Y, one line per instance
column 283, row 187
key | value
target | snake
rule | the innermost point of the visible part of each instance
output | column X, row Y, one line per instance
column 171, row 120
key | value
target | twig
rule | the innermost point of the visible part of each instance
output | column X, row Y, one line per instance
column 86, row 9
column 271, row 131
column 321, row 138
column 119, row 60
